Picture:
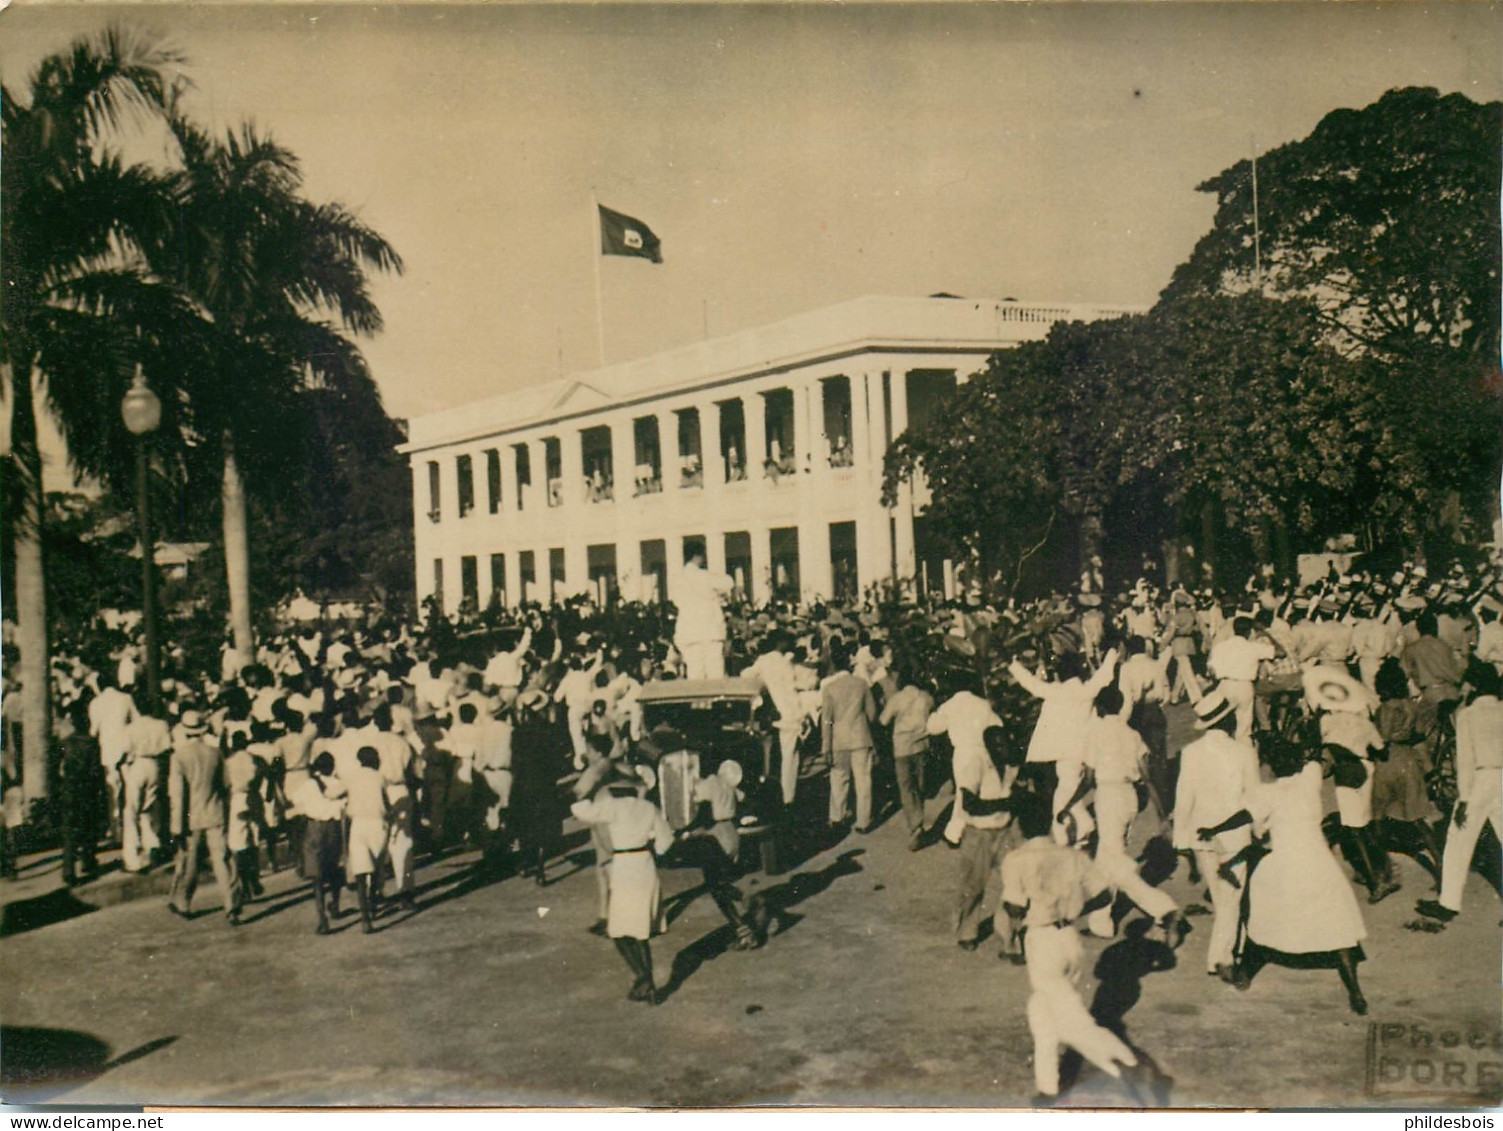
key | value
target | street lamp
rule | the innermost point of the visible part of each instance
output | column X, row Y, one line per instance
column 142, row 413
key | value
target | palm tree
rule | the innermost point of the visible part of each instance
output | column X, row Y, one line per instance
column 274, row 279
column 72, row 279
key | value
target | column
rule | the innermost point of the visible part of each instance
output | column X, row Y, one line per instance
column 873, row 548
column 903, row 511
column 623, row 459
column 670, row 465
column 513, row 576
column 808, row 439
column 709, row 444
column 537, row 466
column 815, row 577
column 754, row 412
column 715, row 550
column 571, row 451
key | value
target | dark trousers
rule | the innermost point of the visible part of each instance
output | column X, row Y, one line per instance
column 981, row 852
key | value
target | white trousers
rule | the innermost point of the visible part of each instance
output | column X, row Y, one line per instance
column 1484, row 802
column 1057, row 1016
column 1240, row 694
column 1226, row 901
column 1116, row 806
column 703, row 659
column 141, row 780
column 788, row 761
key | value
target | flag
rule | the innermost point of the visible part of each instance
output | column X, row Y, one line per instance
column 622, row 235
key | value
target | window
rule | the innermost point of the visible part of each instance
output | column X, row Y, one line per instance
column 438, row 581
column 556, row 576
column 785, row 579
column 553, row 469
column 691, row 470
column 836, row 397
column 498, row 580
column 780, row 459
column 523, row 463
column 434, row 496
column 469, row 585
column 527, row 575
column 845, row 580
column 493, row 480
column 599, row 474
column 694, row 544
column 929, row 390
column 648, row 477
column 600, row 561
column 738, row 562
column 464, row 468
column 733, row 440
column 655, row 570
column 929, row 558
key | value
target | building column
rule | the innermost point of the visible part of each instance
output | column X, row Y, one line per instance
column 536, row 497
column 815, row 577
column 873, row 546
column 709, row 445
column 571, row 456
column 903, row 509
column 808, row 438
column 754, row 413
column 715, row 550
column 670, row 466
column 513, row 576
column 623, row 459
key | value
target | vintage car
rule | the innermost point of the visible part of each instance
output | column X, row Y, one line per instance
column 717, row 720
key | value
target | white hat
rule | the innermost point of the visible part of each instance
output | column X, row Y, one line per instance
column 1329, row 688
column 1212, row 707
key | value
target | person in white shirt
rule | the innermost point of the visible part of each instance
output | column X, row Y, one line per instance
column 1234, row 661
column 699, row 632
column 576, row 691
column 908, row 711
column 1059, row 734
column 1216, row 774
column 141, row 777
column 111, row 714
column 979, row 819
column 505, row 671
column 1115, row 754
column 1479, row 789
column 774, row 667
column 318, row 797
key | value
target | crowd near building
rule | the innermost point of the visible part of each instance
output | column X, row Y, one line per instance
column 764, row 448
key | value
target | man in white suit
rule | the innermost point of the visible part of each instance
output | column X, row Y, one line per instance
column 699, row 634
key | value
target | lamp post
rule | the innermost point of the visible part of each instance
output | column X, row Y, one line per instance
column 142, row 413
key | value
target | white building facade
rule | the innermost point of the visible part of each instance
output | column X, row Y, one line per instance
column 764, row 448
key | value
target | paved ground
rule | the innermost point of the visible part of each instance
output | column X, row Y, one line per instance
column 497, row 994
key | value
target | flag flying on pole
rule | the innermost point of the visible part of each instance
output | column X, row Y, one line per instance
column 622, row 235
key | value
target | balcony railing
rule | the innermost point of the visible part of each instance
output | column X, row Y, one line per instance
column 599, row 489
column 555, row 492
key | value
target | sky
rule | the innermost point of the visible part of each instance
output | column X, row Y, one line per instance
column 789, row 156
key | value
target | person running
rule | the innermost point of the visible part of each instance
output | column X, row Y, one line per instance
column 1299, row 901
column 614, row 796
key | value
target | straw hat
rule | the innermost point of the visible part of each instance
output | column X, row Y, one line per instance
column 1211, row 708
column 192, row 724
column 1331, row 689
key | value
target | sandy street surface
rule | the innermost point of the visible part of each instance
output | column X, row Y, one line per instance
column 496, row 993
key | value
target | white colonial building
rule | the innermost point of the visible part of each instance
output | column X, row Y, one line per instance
column 764, row 447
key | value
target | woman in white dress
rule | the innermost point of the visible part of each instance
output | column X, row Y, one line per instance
column 638, row 831
column 1299, row 900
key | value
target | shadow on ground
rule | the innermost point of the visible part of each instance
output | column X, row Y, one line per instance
column 38, row 1064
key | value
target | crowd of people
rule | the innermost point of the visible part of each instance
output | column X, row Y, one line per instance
column 352, row 752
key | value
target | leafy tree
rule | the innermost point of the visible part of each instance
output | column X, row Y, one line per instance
column 1387, row 217
column 72, row 217
column 274, row 280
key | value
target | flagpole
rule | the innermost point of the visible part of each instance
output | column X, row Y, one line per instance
column 596, row 254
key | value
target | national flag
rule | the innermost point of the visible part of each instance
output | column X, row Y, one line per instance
column 622, row 235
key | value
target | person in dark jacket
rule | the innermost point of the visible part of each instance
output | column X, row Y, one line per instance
column 80, row 794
